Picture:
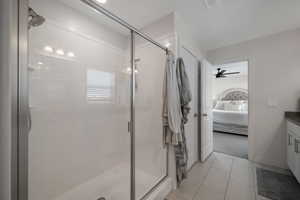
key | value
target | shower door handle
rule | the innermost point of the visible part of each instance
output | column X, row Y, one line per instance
column 29, row 120
column 297, row 141
column 129, row 127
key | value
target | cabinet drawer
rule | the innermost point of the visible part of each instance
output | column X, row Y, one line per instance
column 295, row 129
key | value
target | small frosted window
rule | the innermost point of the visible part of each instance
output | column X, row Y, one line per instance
column 100, row 86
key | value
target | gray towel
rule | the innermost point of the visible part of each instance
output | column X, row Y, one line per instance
column 181, row 151
column 184, row 89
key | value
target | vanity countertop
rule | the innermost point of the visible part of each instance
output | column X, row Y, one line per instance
column 293, row 117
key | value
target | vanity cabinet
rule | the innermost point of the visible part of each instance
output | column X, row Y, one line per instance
column 293, row 148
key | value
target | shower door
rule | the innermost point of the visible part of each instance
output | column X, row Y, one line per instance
column 79, row 101
column 86, row 79
column 150, row 153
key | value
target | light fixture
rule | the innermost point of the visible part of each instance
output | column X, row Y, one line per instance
column 101, row 1
column 71, row 28
column 168, row 44
column 48, row 49
column 60, row 52
column 71, row 54
column 40, row 63
column 128, row 70
column 211, row 3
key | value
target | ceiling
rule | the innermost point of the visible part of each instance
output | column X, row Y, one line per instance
column 222, row 23
column 140, row 13
column 137, row 13
column 227, row 22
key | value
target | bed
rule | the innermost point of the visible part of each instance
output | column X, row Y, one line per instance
column 230, row 113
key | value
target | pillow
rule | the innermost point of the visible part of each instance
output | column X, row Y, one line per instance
column 232, row 106
column 219, row 105
column 236, row 106
column 245, row 106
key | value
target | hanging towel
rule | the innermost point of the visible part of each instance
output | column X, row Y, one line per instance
column 184, row 89
column 181, row 151
column 177, row 95
column 172, row 115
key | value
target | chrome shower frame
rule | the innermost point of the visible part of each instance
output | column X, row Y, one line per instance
column 21, row 112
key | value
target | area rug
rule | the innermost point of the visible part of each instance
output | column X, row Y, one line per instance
column 277, row 186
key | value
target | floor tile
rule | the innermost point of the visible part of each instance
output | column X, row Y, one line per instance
column 221, row 177
column 176, row 196
column 208, row 193
column 240, row 190
column 196, row 177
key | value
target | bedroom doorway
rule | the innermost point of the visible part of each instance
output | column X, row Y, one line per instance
column 230, row 108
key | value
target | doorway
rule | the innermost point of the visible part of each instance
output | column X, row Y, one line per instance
column 230, row 108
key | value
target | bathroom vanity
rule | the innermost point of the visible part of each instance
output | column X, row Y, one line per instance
column 293, row 142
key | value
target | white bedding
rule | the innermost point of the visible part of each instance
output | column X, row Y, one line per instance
column 230, row 117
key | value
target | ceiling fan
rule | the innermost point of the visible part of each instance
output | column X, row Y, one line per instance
column 222, row 73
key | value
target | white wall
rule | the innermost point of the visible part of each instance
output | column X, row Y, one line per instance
column 164, row 26
column 274, row 86
column 163, row 31
column 173, row 29
column 187, row 45
column 185, row 38
column 222, row 84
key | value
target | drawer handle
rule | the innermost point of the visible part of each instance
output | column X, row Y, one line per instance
column 297, row 145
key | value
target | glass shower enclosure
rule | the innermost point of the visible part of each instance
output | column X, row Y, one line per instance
column 94, row 98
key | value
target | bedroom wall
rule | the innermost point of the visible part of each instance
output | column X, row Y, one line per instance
column 222, row 84
column 274, row 86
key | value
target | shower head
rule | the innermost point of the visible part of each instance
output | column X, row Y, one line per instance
column 35, row 19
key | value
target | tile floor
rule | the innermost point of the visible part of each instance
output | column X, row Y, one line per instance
column 221, row 177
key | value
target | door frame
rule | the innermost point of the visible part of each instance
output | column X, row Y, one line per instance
column 205, row 113
column 250, row 106
column 200, row 65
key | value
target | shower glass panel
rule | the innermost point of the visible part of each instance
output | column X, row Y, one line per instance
column 150, row 153
column 79, row 93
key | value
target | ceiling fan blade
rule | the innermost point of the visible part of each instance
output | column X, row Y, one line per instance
column 220, row 76
column 223, row 71
column 230, row 73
